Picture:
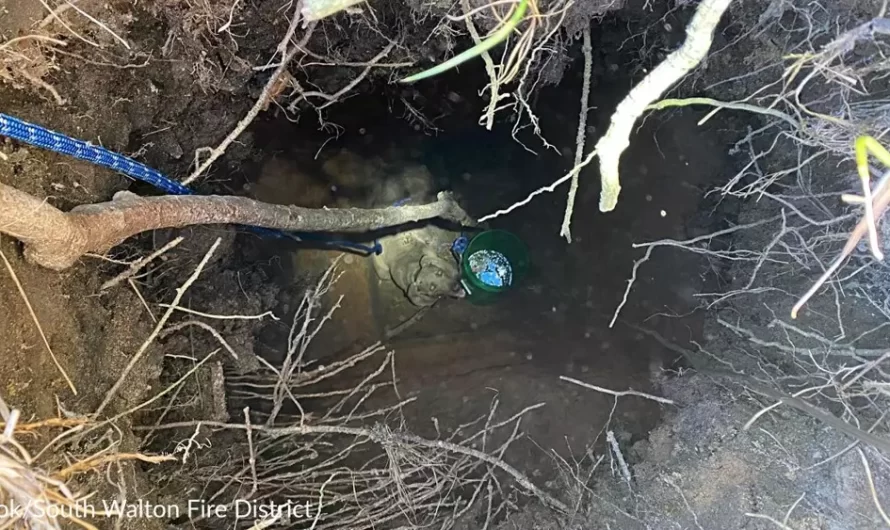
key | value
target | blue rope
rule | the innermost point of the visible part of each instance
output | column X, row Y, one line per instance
column 46, row 139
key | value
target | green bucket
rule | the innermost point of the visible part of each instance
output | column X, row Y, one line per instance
column 506, row 261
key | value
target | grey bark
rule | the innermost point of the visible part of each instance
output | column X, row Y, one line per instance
column 56, row 239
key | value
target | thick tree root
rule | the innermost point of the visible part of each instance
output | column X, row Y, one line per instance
column 56, row 239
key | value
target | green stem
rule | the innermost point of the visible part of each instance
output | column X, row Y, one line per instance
column 493, row 40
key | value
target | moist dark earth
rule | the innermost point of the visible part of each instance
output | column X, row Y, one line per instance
column 183, row 85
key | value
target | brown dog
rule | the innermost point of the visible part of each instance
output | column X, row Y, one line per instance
column 420, row 263
column 417, row 260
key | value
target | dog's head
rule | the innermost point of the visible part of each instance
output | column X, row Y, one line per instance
column 437, row 278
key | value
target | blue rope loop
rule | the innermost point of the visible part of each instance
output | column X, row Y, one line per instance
column 38, row 136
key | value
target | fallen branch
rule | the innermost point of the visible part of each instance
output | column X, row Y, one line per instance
column 56, row 239
column 700, row 34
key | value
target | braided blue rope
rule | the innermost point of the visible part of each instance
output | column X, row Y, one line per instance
column 44, row 138
column 38, row 136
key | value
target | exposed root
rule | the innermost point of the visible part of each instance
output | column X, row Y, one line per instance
column 566, row 230
column 18, row 284
column 874, row 209
column 481, row 46
column 700, row 33
column 545, row 189
column 139, row 264
column 617, row 394
column 314, row 10
column 287, row 51
column 35, row 496
column 56, row 240
column 310, row 430
column 134, row 360
column 871, row 487
column 26, row 60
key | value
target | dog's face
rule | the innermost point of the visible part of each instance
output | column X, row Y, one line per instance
column 437, row 278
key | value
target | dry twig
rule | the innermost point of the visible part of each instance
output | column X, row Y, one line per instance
column 617, row 394
column 311, row 445
column 134, row 360
column 18, row 285
column 287, row 53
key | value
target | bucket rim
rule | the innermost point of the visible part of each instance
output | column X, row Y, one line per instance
column 479, row 285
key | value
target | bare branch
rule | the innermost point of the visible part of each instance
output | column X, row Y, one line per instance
column 56, row 240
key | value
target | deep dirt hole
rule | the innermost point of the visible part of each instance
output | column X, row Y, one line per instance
column 460, row 359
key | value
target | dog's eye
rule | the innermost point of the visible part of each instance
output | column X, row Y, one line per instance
column 439, row 273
